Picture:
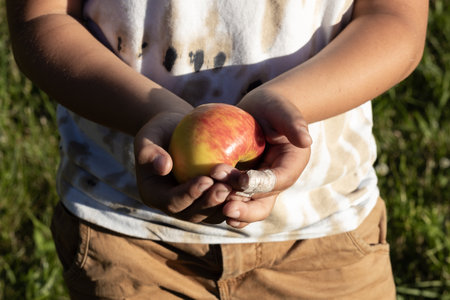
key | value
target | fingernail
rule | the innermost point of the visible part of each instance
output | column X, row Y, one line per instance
column 159, row 164
column 204, row 186
column 221, row 175
column 234, row 214
column 307, row 138
column 304, row 130
column 233, row 223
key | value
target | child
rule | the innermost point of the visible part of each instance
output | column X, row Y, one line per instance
column 126, row 72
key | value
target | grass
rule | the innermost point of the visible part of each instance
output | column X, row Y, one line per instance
column 28, row 160
column 412, row 128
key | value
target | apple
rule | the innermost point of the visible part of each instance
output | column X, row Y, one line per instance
column 212, row 134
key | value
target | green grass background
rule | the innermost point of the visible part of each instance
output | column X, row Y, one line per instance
column 413, row 132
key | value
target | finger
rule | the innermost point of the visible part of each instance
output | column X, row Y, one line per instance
column 225, row 173
column 256, row 181
column 288, row 121
column 245, row 183
column 207, row 205
column 235, row 196
column 287, row 162
column 154, row 159
column 215, row 196
column 250, row 211
column 163, row 193
column 291, row 123
column 150, row 141
column 236, row 224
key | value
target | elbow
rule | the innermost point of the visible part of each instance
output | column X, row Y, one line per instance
column 414, row 54
column 20, row 46
column 412, row 37
column 405, row 51
column 402, row 27
column 19, row 57
column 22, row 59
column 17, row 36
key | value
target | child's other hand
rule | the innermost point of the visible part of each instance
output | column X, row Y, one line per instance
column 198, row 200
column 279, row 118
column 287, row 154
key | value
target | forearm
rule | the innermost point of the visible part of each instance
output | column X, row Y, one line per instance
column 57, row 53
column 378, row 49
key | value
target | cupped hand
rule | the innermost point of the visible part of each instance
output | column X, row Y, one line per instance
column 198, row 200
column 286, row 156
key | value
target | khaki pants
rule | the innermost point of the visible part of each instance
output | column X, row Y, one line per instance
column 100, row 264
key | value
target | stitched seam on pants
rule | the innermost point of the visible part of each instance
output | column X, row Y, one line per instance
column 223, row 289
column 258, row 255
column 82, row 255
column 384, row 247
column 361, row 248
column 365, row 248
column 233, row 281
column 86, row 247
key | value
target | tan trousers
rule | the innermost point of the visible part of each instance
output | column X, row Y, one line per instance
column 100, row 264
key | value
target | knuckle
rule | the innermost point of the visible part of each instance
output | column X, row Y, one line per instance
column 265, row 215
column 192, row 192
column 299, row 123
column 141, row 157
column 172, row 208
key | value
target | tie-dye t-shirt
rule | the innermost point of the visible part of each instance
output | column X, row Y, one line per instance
column 217, row 51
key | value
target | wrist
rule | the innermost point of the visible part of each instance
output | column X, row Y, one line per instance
column 162, row 104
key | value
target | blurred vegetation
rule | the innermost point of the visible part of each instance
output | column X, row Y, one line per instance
column 28, row 161
column 412, row 126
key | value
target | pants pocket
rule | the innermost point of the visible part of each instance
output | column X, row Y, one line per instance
column 371, row 234
column 71, row 238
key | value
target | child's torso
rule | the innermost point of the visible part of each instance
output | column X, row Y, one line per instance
column 217, row 51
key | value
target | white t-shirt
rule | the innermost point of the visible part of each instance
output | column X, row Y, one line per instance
column 216, row 51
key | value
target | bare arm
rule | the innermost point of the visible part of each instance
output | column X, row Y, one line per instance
column 380, row 47
column 57, row 53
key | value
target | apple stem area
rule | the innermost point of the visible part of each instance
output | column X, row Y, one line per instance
column 257, row 181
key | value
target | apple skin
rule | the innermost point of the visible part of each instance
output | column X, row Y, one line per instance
column 212, row 134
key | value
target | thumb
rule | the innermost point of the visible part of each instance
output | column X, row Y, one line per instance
column 279, row 118
column 153, row 159
column 150, row 141
column 288, row 123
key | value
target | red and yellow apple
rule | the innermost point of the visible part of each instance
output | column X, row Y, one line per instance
column 212, row 134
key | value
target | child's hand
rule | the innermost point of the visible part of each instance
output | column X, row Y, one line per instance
column 287, row 155
column 279, row 118
column 198, row 200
